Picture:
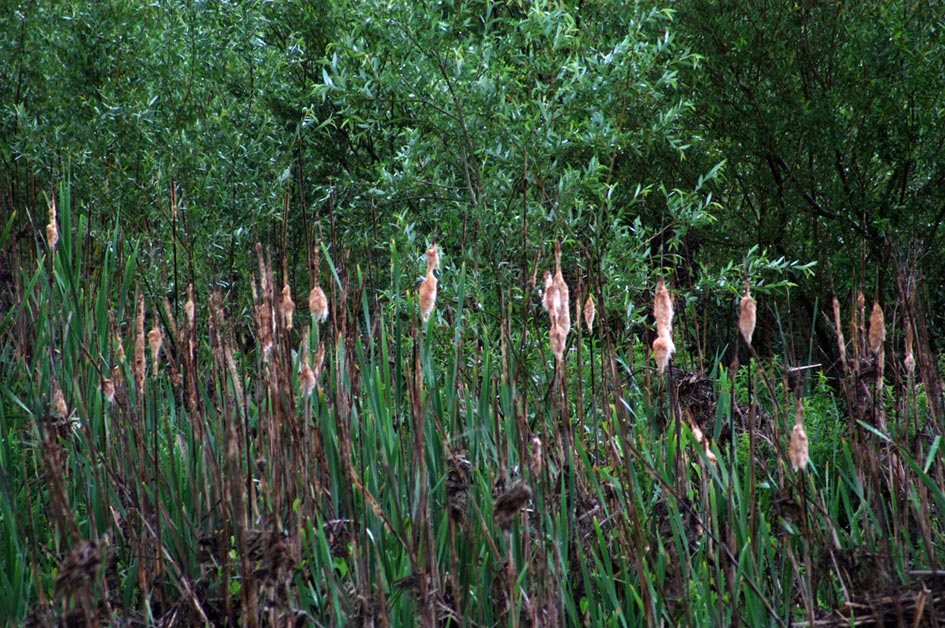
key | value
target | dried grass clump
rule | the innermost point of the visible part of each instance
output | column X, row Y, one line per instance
column 52, row 231
column 746, row 315
column 663, row 346
column 798, row 451
column 877, row 332
column 429, row 284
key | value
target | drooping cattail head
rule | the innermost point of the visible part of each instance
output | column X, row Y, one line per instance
column 52, row 231
column 798, row 451
column 663, row 350
column 590, row 311
column 318, row 304
column 841, row 343
column 155, row 340
column 663, row 310
column 536, row 461
column 746, row 315
column 319, row 361
column 428, row 295
column 287, row 305
column 877, row 328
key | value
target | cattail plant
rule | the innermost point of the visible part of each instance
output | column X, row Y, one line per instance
column 746, row 315
column 287, row 305
column 155, row 340
column 60, row 409
column 798, row 451
column 590, row 311
column 877, row 333
column 318, row 304
column 556, row 301
column 663, row 346
column 139, row 365
column 428, row 286
column 909, row 361
column 52, row 231
column 307, row 375
column 108, row 389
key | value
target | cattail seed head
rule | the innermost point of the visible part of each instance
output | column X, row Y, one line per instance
column 549, row 298
column 877, row 332
column 190, row 309
column 318, row 304
column 155, row 340
column 590, row 311
column 663, row 350
column 52, row 231
column 139, row 365
column 433, row 258
column 663, row 310
column 428, row 295
column 287, row 305
column 798, row 451
column 108, row 389
column 60, row 408
column 557, row 339
column 746, row 316
column 563, row 309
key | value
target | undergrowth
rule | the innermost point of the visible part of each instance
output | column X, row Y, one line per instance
column 451, row 472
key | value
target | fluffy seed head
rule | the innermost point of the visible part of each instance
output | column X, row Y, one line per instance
column 746, row 316
column 108, row 389
column 877, row 328
column 318, row 304
column 563, row 306
column 590, row 311
column 287, row 305
column 155, row 340
column 189, row 309
column 663, row 350
column 798, row 451
column 663, row 310
column 557, row 339
column 433, row 258
column 52, row 231
column 59, row 403
column 427, row 295
column 139, row 365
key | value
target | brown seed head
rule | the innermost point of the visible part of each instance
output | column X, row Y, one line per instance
column 746, row 317
column 52, row 231
column 139, row 365
column 318, row 304
column 663, row 310
column 663, row 350
column 877, row 328
column 190, row 310
column 108, row 389
column 799, row 452
column 59, row 403
column 428, row 295
column 433, row 258
column 155, row 340
column 590, row 311
column 288, row 306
